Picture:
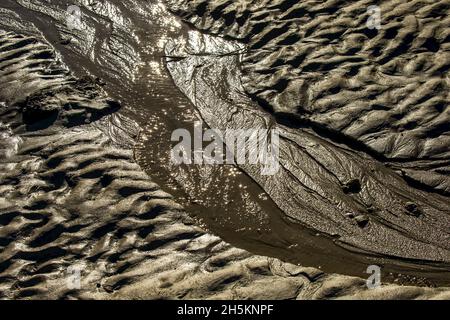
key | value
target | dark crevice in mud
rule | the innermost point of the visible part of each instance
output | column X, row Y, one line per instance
column 274, row 33
column 339, row 138
column 432, row 265
column 36, row 120
column 298, row 122
column 425, row 187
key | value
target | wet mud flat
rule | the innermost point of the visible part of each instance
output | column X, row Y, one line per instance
column 126, row 58
column 302, row 76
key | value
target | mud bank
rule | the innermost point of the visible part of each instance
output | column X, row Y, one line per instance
column 74, row 195
column 386, row 209
column 74, row 198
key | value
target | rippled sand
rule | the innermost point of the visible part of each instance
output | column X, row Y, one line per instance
column 73, row 194
column 318, row 62
column 358, row 115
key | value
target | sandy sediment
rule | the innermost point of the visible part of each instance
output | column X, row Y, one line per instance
column 313, row 184
column 72, row 196
column 319, row 63
column 329, row 180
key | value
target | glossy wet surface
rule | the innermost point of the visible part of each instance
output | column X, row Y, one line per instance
column 124, row 44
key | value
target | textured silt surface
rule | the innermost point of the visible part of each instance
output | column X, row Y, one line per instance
column 72, row 197
column 312, row 185
column 318, row 62
column 363, row 114
column 86, row 117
